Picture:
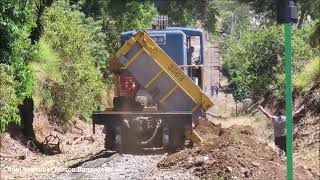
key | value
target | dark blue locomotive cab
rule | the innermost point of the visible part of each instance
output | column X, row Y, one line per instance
column 173, row 42
column 177, row 43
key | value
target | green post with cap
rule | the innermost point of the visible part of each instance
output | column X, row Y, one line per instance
column 287, row 14
column 288, row 93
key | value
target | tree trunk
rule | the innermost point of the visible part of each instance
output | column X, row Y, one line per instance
column 26, row 114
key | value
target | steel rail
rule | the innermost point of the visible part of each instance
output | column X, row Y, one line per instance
column 149, row 171
column 79, row 175
column 97, row 164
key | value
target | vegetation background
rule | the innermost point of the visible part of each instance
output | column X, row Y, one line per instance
column 253, row 52
column 55, row 52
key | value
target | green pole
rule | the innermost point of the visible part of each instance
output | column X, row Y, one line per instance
column 288, row 93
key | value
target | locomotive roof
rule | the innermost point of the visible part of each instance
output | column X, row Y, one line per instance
column 187, row 31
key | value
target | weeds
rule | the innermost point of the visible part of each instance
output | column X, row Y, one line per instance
column 310, row 73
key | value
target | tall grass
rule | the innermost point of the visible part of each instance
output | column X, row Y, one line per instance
column 309, row 75
column 45, row 70
column 47, row 63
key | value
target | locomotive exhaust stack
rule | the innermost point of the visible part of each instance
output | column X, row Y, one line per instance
column 156, row 100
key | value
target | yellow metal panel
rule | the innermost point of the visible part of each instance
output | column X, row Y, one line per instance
column 126, row 47
column 174, row 70
column 195, row 107
column 133, row 58
column 153, row 79
column 168, row 93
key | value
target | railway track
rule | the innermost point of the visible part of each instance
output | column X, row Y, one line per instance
column 148, row 173
column 81, row 169
column 115, row 166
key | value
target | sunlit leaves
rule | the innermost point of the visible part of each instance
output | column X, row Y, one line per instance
column 16, row 52
column 254, row 63
column 8, row 99
column 79, row 42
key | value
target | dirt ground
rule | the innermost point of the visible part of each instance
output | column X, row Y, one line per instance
column 242, row 147
column 307, row 145
column 232, row 153
column 20, row 160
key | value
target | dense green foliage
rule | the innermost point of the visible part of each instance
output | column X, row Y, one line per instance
column 267, row 9
column 254, row 62
column 16, row 52
column 8, row 99
column 15, row 48
column 253, row 51
column 79, row 43
column 132, row 15
column 192, row 13
column 118, row 16
column 315, row 36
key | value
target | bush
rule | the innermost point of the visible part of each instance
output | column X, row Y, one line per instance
column 16, row 49
column 254, row 63
column 8, row 99
column 16, row 52
column 82, row 56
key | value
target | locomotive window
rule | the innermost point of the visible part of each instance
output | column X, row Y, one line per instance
column 195, row 43
column 159, row 39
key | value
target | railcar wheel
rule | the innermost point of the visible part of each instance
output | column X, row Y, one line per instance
column 110, row 142
column 109, row 139
column 125, row 140
column 177, row 139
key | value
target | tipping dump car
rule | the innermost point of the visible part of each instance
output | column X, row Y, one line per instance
column 158, row 93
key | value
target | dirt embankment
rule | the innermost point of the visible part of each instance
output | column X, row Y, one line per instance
column 231, row 153
column 307, row 145
column 18, row 152
column 307, row 133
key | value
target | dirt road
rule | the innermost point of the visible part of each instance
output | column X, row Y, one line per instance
column 224, row 103
column 211, row 61
column 211, row 64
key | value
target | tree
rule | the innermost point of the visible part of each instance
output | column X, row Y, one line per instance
column 92, row 8
column 234, row 16
column 254, row 62
column 131, row 15
column 39, row 8
column 267, row 8
column 8, row 99
column 191, row 11
column 16, row 52
column 80, row 44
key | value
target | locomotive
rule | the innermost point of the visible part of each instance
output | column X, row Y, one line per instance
column 158, row 89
